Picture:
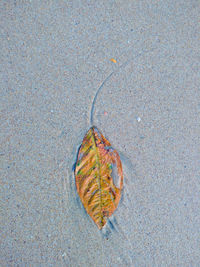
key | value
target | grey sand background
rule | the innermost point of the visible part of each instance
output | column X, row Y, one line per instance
column 54, row 57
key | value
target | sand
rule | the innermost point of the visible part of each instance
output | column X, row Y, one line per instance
column 54, row 57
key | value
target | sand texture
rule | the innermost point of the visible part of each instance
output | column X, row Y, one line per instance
column 54, row 57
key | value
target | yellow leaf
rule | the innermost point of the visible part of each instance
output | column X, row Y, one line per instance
column 95, row 176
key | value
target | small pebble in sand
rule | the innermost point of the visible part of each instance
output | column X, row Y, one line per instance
column 113, row 60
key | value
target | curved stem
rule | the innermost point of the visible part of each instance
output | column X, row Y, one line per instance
column 107, row 78
column 99, row 89
column 95, row 97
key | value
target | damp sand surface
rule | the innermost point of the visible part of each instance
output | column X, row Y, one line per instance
column 54, row 57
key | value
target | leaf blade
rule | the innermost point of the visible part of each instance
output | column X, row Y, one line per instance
column 93, row 174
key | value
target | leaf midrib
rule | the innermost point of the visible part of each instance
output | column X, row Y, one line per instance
column 98, row 168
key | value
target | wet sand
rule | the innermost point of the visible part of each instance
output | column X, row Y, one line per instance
column 55, row 55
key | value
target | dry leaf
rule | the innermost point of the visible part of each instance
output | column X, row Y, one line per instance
column 97, row 167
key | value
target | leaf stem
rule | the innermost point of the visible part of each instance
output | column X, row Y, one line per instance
column 95, row 97
column 108, row 77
